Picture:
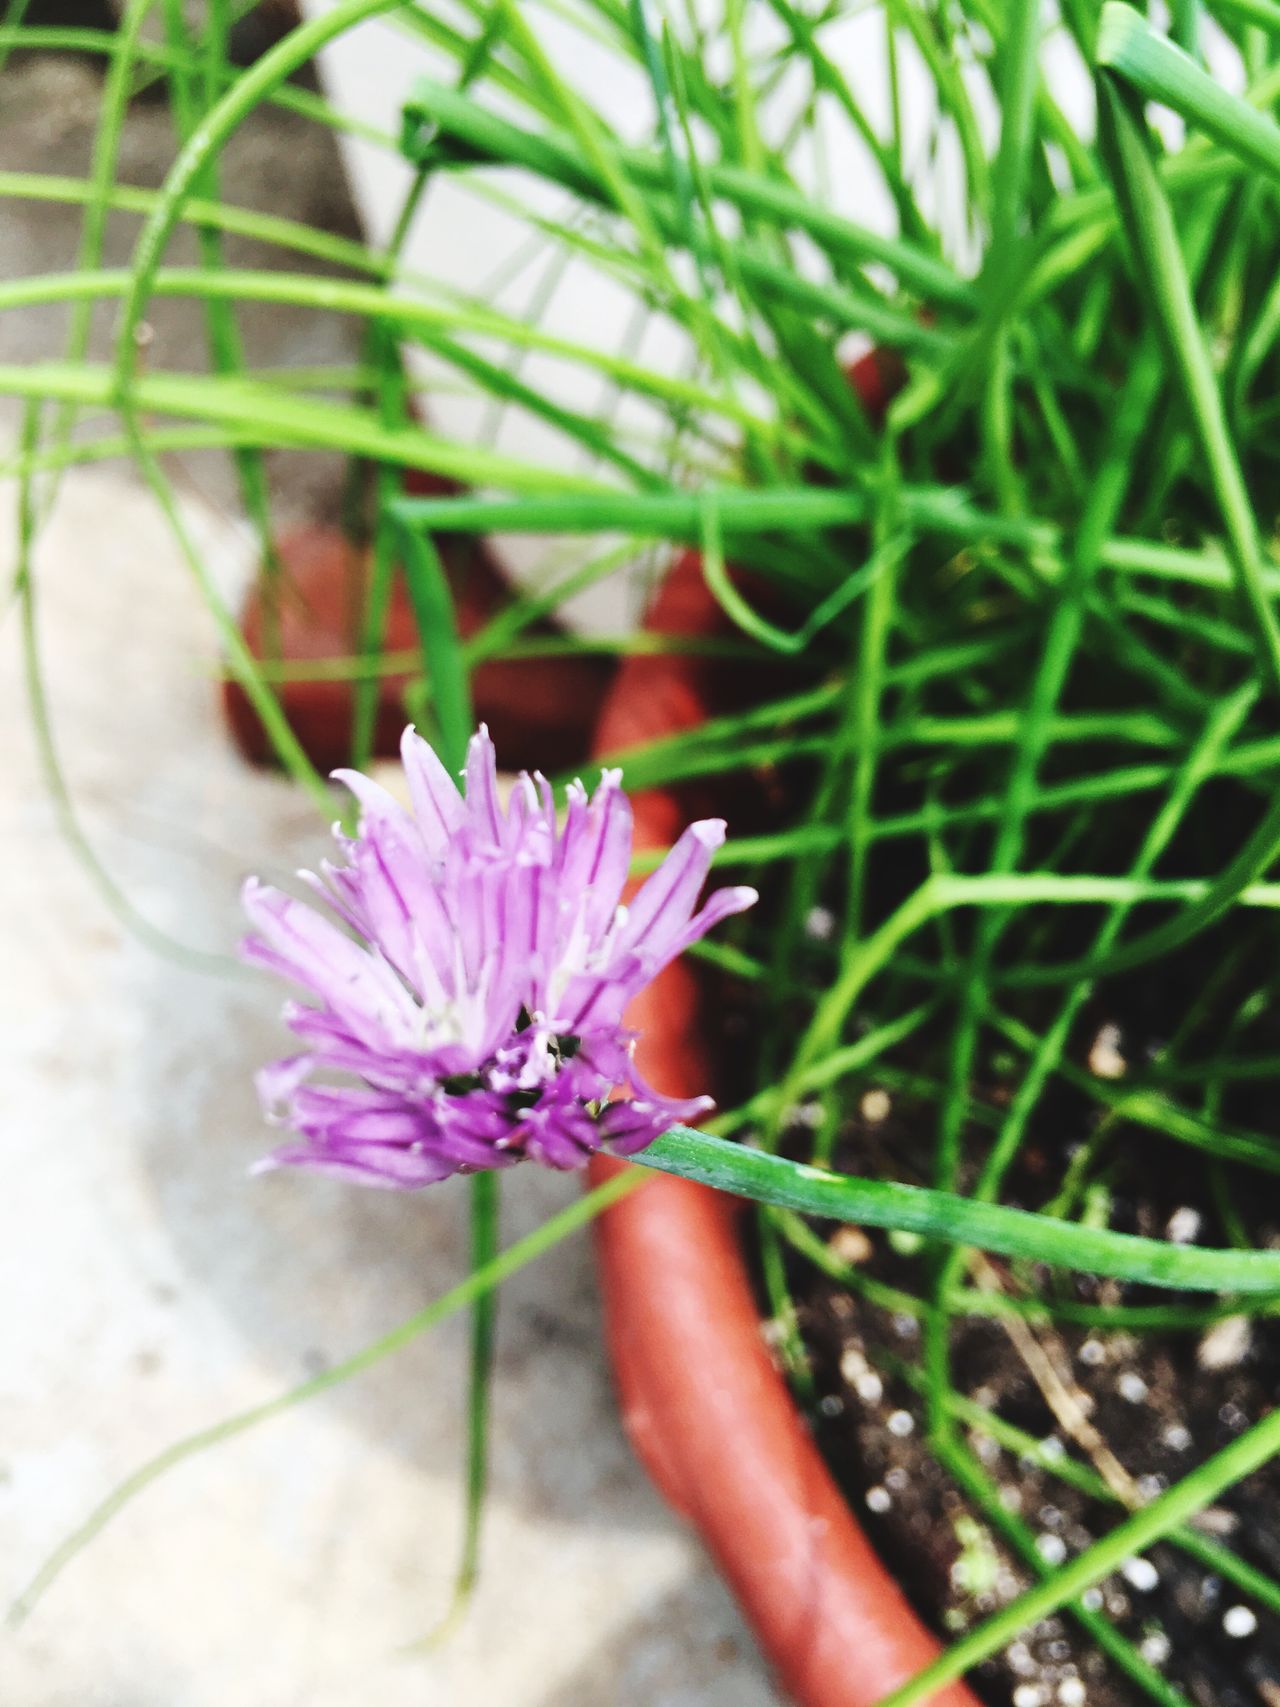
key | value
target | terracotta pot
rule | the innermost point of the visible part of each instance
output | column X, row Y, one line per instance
column 532, row 706
column 705, row 1408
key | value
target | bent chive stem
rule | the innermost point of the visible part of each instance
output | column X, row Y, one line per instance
column 775, row 1180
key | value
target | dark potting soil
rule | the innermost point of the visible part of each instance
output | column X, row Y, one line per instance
column 1139, row 1410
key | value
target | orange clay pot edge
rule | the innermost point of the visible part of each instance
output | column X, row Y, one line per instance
column 704, row 1407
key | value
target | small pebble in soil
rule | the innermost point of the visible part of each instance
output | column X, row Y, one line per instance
column 1092, row 1599
column 1239, row 1621
column 869, row 1387
column 1226, row 1343
column 1106, row 1061
column 819, row 924
column 901, row 1424
column 1051, row 1548
column 1184, row 1225
column 1216, row 1520
column 853, row 1362
column 906, row 1327
column 1020, row 1660
column 1072, row 1692
column 1140, row 1574
column 1011, row 1497
column 1155, row 1648
column 1150, row 1487
column 1029, row 1695
column 878, row 1499
column 1131, row 1387
column 875, row 1107
column 1176, row 1437
column 896, row 1479
column 1092, row 1353
column 851, row 1245
column 1232, row 1417
column 1051, row 1517
column 831, row 1405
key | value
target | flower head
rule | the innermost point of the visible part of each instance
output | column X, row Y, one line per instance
column 471, row 1013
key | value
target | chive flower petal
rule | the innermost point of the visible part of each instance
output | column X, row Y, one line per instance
column 469, row 977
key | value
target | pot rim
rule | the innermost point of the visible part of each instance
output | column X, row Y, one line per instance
column 705, row 1407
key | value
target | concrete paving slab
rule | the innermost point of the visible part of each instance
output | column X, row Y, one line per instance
column 152, row 1287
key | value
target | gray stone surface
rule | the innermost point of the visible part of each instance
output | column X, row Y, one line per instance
column 150, row 1287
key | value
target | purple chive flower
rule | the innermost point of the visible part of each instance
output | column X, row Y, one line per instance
column 476, row 1017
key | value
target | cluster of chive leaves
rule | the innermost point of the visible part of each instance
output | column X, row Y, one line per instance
column 1025, row 606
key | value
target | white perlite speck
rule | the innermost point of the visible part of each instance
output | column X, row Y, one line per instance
column 1106, row 1059
column 1155, row 1648
column 878, row 1499
column 875, row 1107
column 1051, row 1548
column 819, row 924
column 1072, row 1692
column 901, row 1423
column 1184, row 1225
column 1239, row 1621
column 1132, row 1387
column 1140, row 1574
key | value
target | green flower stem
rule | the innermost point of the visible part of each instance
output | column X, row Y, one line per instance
column 303, row 422
column 1161, row 71
column 442, row 651
column 1132, row 1537
column 775, row 1180
column 269, row 228
column 251, row 87
column 1153, row 237
column 450, row 690
column 475, row 133
column 435, row 325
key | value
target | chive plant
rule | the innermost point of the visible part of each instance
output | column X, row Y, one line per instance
column 1031, row 729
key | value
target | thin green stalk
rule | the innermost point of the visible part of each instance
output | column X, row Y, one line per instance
column 1196, row 1490
column 1158, row 254
column 480, row 1283
column 771, row 1179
